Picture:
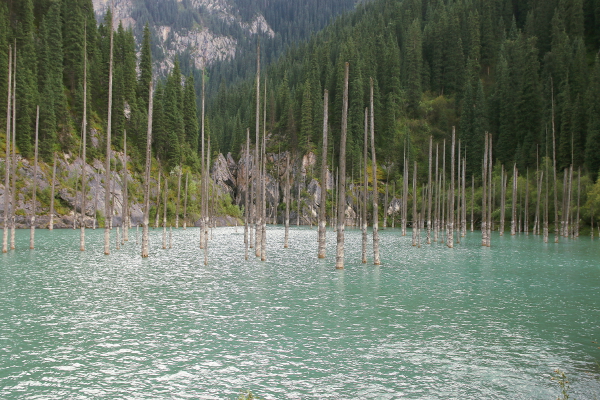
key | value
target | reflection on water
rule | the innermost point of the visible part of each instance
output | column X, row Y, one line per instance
column 436, row 323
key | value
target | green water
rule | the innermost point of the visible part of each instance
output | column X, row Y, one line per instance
column 430, row 323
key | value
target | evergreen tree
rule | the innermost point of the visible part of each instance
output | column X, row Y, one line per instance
column 592, row 147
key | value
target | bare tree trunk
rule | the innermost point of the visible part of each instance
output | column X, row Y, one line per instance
column 405, row 194
column 146, row 221
column 536, row 223
column 13, row 164
column 185, row 199
column 263, row 252
column 207, row 214
column 323, row 199
column 35, row 162
column 429, row 192
column 484, row 194
column 443, row 196
column 414, row 213
column 513, row 221
column 365, row 188
column 158, row 186
column 125, row 191
column 490, row 198
column 83, row 149
column 247, row 195
column 472, row 201
column 376, row 258
column 464, row 198
column 164, row 237
column 287, row 200
column 578, row 198
column 341, row 211
column 503, row 180
column 203, row 200
column 556, row 234
column 108, row 149
column 458, row 188
column 436, row 222
column 450, row 241
column 526, row 217
column 7, row 166
column 178, row 198
column 546, row 212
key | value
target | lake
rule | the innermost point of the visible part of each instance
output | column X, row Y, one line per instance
column 429, row 323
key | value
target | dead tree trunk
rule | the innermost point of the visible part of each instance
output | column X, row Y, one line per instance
column 158, row 186
column 503, row 180
column 146, row 221
column 405, row 194
column 414, row 213
column 7, row 157
column 513, row 221
column 35, row 162
column 484, row 194
column 125, row 191
column 472, row 201
column 13, row 164
column 83, row 150
column 287, row 201
column 178, row 198
column 185, row 199
column 490, row 198
column 526, row 216
column 365, row 189
column 164, row 237
column 451, row 194
column 323, row 199
column 429, row 192
column 108, row 149
column 341, row 211
column 376, row 259
column 247, row 195
column 436, row 218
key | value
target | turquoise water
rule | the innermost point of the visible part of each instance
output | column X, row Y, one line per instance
column 430, row 323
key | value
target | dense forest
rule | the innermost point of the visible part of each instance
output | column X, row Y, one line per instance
column 522, row 70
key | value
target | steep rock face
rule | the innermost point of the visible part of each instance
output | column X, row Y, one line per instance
column 203, row 45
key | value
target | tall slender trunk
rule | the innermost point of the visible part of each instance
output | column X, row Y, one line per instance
column 502, row 200
column 546, row 211
column 376, row 258
column 13, row 164
column 556, row 234
column 108, row 149
column 513, row 221
column 472, row 201
column 464, row 198
column 436, row 218
column 166, row 191
column 7, row 157
column 578, row 198
column 247, row 195
column 287, row 201
column 185, row 199
column 323, row 199
column 341, row 211
column 429, row 192
column 451, row 194
column 443, row 195
column 490, row 198
column 178, row 198
column 125, row 191
column 458, row 189
column 33, row 199
column 536, row 223
column 158, row 186
column 526, row 216
column 405, row 194
column 263, row 237
column 207, row 193
column 484, row 193
column 146, row 221
column 203, row 200
column 84, row 149
column 415, row 221
column 365, row 188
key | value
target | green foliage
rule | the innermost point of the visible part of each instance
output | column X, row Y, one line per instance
column 563, row 382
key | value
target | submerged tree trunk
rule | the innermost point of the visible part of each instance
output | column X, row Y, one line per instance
column 323, row 199
column 341, row 212
column 13, row 191
column 526, row 216
column 7, row 157
column 125, row 211
column 436, row 218
column 247, row 195
column 376, row 259
column 513, row 221
column 83, row 151
column 287, row 201
column 108, row 149
column 35, row 162
column 146, row 221
column 429, row 191
column 414, row 201
column 365, row 189
column 178, row 198
column 490, row 198
column 451, row 194
column 158, row 186
column 484, row 194
column 185, row 199
column 164, row 237
column 503, row 181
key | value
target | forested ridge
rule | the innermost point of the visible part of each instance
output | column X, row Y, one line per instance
column 518, row 69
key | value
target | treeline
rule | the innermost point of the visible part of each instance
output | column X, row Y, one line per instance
column 526, row 71
column 54, row 40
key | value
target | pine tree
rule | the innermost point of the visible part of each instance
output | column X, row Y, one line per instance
column 190, row 113
column 592, row 148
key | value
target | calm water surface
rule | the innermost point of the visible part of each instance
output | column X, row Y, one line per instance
column 430, row 323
